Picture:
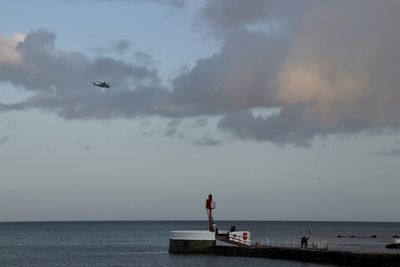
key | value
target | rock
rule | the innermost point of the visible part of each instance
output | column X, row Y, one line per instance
column 393, row 245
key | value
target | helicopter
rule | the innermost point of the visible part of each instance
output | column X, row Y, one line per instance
column 101, row 84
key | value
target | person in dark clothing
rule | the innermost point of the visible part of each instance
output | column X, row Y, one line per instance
column 233, row 229
column 304, row 242
column 216, row 230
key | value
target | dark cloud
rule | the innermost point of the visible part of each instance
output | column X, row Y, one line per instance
column 144, row 59
column 171, row 128
column 4, row 140
column 201, row 122
column 207, row 141
column 121, row 46
column 118, row 47
column 395, row 152
column 287, row 126
column 235, row 78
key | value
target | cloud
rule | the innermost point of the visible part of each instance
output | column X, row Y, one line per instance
column 226, row 15
column 395, row 152
column 115, row 47
column 201, row 122
column 144, row 59
column 8, row 55
column 286, row 126
column 331, row 67
column 173, row 3
column 235, row 78
column 7, row 124
column 343, row 68
column 121, row 46
column 335, row 73
column 207, row 141
column 62, row 82
column 4, row 140
column 171, row 128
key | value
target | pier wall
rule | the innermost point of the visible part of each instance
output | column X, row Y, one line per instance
column 341, row 258
column 190, row 246
column 191, row 242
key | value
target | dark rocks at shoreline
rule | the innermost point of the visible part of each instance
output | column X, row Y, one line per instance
column 393, row 246
column 353, row 236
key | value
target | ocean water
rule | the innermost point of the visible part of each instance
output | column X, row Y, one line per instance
column 145, row 243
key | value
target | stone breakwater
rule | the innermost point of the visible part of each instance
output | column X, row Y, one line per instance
column 341, row 258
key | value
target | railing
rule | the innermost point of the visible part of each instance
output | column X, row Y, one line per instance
column 288, row 243
column 239, row 239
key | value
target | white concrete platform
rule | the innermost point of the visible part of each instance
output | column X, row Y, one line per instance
column 192, row 235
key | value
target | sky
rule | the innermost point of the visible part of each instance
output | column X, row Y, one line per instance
column 283, row 110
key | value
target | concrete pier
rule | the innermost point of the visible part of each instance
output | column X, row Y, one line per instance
column 189, row 242
column 340, row 258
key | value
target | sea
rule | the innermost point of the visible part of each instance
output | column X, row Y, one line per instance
column 145, row 243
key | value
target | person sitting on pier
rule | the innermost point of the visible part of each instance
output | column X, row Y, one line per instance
column 233, row 229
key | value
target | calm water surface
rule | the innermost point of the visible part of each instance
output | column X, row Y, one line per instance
column 132, row 243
